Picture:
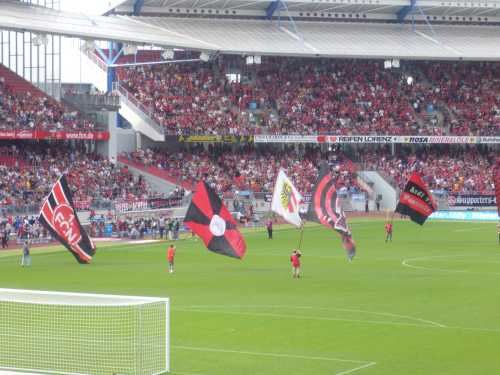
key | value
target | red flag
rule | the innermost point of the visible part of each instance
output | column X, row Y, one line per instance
column 325, row 208
column 59, row 217
column 416, row 201
column 211, row 220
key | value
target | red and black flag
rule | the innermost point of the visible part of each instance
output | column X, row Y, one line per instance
column 416, row 201
column 497, row 184
column 326, row 208
column 209, row 219
column 59, row 217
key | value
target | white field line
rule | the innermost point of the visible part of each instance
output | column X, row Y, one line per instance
column 470, row 229
column 429, row 323
column 364, row 364
column 305, row 317
column 268, row 354
column 406, row 263
column 356, row 368
column 184, row 373
column 318, row 308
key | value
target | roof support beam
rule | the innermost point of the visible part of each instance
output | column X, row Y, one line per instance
column 138, row 7
column 272, row 7
column 406, row 10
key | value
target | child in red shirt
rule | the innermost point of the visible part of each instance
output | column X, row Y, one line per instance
column 170, row 258
column 295, row 259
column 388, row 232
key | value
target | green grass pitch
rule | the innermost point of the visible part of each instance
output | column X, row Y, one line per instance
column 426, row 304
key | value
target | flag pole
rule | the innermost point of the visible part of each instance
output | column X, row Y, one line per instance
column 392, row 216
column 301, row 236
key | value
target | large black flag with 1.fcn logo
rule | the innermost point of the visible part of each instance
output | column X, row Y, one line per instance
column 326, row 208
column 209, row 219
column 416, row 201
column 59, row 217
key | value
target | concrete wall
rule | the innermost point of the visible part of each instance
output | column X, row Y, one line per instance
column 93, row 73
column 126, row 140
column 381, row 187
column 108, row 149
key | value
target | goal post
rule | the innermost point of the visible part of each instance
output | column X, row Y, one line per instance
column 84, row 334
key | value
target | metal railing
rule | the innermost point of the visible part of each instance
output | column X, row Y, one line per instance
column 96, row 60
column 111, row 102
column 145, row 113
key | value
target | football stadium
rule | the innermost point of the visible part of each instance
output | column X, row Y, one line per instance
column 250, row 187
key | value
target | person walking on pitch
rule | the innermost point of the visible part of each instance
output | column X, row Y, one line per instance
column 170, row 258
column 269, row 226
column 388, row 232
column 26, row 258
column 295, row 259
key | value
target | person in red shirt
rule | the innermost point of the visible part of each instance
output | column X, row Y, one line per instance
column 170, row 258
column 295, row 259
column 388, row 232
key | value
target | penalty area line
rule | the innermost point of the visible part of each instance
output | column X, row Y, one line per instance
column 264, row 354
column 363, row 364
column 350, row 371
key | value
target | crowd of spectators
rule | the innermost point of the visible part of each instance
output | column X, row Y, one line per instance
column 157, row 226
column 470, row 91
column 246, row 168
column 28, row 173
column 32, row 110
column 319, row 96
column 187, row 99
column 459, row 171
column 22, row 228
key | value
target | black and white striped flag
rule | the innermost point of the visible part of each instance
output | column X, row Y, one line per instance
column 59, row 217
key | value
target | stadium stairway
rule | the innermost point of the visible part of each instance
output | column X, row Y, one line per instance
column 157, row 179
column 138, row 117
column 130, row 109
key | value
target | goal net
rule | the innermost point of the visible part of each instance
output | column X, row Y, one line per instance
column 73, row 333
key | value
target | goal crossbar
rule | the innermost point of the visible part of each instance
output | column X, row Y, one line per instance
column 64, row 298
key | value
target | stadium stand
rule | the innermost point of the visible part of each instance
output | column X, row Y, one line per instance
column 461, row 171
column 25, row 107
column 29, row 172
column 246, row 168
column 305, row 96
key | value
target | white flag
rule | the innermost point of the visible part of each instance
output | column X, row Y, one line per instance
column 286, row 200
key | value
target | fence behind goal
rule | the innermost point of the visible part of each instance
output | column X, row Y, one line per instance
column 75, row 333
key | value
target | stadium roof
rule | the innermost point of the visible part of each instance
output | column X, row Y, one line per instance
column 265, row 37
column 479, row 11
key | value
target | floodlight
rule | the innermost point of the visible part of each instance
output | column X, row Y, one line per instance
column 129, row 50
column 204, row 57
column 168, row 54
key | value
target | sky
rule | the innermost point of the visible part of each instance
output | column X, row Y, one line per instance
column 71, row 59
column 90, row 7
